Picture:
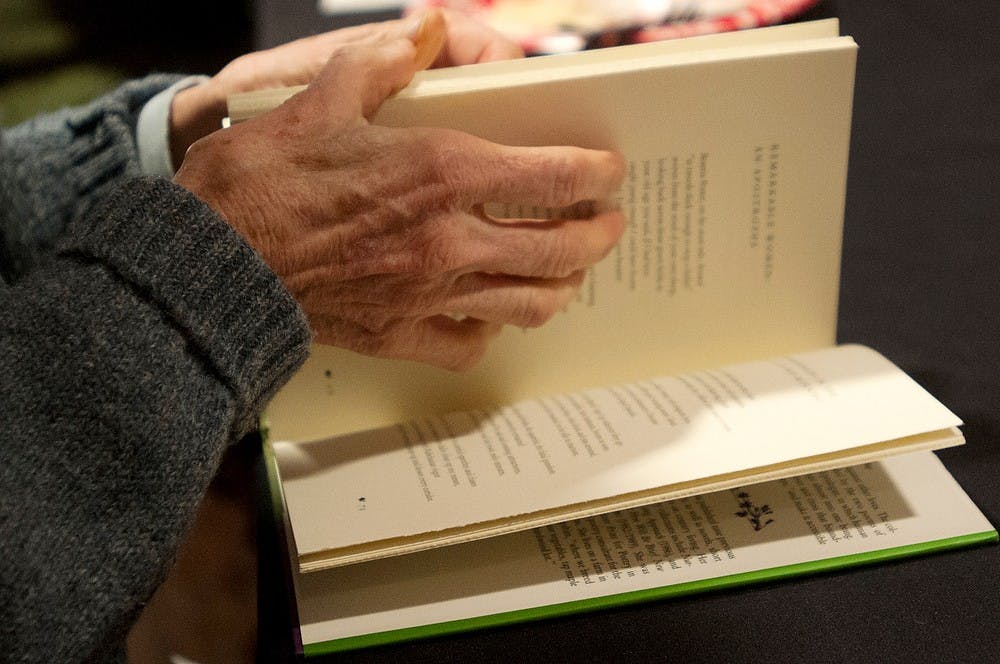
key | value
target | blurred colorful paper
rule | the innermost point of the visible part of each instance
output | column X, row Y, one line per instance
column 559, row 26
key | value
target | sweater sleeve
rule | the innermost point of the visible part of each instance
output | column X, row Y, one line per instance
column 61, row 163
column 150, row 340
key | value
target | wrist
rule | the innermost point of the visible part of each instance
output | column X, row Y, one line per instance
column 195, row 112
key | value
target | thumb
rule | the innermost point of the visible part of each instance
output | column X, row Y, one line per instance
column 359, row 77
column 428, row 32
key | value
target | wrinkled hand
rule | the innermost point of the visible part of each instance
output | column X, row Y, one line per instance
column 199, row 110
column 380, row 233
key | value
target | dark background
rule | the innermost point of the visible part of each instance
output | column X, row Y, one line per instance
column 56, row 53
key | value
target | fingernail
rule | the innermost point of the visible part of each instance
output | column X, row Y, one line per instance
column 429, row 33
column 416, row 23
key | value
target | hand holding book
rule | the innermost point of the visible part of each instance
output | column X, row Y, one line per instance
column 442, row 38
column 381, row 234
column 679, row 369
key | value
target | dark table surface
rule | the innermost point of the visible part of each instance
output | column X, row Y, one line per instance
column 921, row 284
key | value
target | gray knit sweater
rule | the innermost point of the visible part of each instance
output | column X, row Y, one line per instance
column 139, row 336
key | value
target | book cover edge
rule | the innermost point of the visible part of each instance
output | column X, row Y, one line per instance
column 671, row 591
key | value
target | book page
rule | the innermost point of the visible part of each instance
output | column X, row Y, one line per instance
column 426, row 476
column 245, row 105
column 734, row 193
column 435, row 81
column 864, row 513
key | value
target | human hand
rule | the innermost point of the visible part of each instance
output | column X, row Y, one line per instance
column 444, row 38
column 381, row 234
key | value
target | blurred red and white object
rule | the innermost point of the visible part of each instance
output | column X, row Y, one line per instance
column 360, row 7
column 559, row 26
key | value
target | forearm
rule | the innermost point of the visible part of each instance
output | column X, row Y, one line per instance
column 150, row 341
column 105, row 454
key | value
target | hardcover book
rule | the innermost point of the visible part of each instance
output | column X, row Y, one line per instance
column 698, row 366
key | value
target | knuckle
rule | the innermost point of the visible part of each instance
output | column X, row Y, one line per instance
column 565, row 181
column 424, row 253
column 352, row 55
column 381, row 339
column 435, row 251
column 426, row 258
column 536, row 309
column 447, row 163
column 560, row 259
column 435, row 243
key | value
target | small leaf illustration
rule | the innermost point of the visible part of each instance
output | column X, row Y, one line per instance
column 753, row 513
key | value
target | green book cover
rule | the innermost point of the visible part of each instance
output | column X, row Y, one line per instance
column 901, row 507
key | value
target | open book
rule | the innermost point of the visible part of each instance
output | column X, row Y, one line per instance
column 902, row 506
column 698, row 357
column 475, row 474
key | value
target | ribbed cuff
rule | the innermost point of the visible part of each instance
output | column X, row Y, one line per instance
column 104, row 149
column 176, row 251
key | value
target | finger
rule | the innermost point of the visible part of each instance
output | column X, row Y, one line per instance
column 470, row 41
column 428, row 34
column 359, row 77
column 547, row 249
column 445, row 342
column 513, row 213
column 479, row 171
column 523, row 302
column 500, row 49
column 301, row 60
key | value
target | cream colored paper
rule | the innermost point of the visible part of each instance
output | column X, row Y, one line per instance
column 908, row 500
column 469, row 475
column 737, row 165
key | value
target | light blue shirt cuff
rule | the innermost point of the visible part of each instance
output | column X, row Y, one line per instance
column 152, row 131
